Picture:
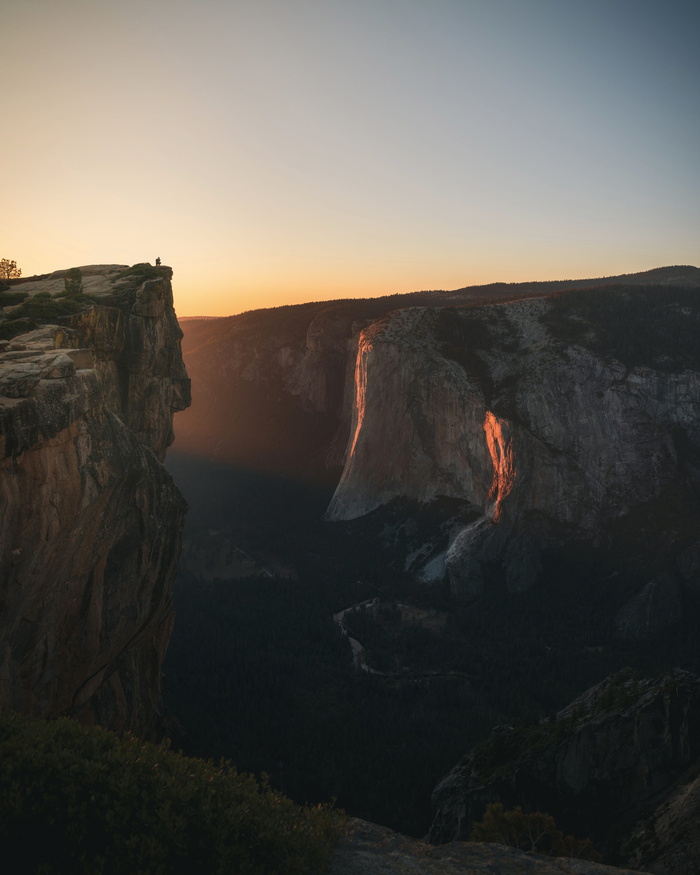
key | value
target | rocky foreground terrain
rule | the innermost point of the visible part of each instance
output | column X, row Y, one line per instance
column 90, row 521
column 368, row 849
column 620, row 764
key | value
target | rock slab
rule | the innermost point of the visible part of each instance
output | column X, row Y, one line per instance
column 368, row 849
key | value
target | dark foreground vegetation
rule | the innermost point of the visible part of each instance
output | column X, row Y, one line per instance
column 82, row 801
column 534, row 831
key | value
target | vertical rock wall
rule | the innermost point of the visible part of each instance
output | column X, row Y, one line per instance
column 601, row 768
column 90, row 521
column 547, row 439
column 418, row 422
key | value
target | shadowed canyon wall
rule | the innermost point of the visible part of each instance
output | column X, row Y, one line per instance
column 619, row 764
column 90, row 521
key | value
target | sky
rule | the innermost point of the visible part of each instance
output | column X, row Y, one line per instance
column 281, row 151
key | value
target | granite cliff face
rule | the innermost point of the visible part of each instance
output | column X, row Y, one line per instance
column 275, row 389
column 557, row 416
column 619, row 764
column 417, row 427
column 552, row 426
column 90, row 521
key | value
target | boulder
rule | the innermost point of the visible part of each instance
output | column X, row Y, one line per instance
column 18, row 379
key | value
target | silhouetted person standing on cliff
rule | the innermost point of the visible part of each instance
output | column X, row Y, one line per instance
column 157, row 262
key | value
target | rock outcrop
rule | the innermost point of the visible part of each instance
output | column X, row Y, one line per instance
column 418, row 421
column 367, row 849
column 669, row 840
column 90, row 521
column 601, row 768
column 535, row 414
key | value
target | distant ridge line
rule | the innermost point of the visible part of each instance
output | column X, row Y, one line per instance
column 498, row 292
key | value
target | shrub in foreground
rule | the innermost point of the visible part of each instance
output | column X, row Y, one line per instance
column 144, row 271
column 11, row 328
column 81, row 800
column 8, row 299
column 43, row 308
column 530, row 831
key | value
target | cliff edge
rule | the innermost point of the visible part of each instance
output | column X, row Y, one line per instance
column 90, row 521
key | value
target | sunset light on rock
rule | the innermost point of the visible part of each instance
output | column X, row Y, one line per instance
column 501, row 451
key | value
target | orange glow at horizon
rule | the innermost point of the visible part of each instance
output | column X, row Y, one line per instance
column 277, row 153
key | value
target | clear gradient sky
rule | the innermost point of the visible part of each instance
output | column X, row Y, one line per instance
column 280, row 151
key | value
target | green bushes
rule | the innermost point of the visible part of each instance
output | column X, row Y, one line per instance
column 8, row 299
column 73, row 283
column 132, row 277
column 73, row 290
column 81, row 800
column 13, row 327
column 533, row 831
column 43, row 308
column 144, row 269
